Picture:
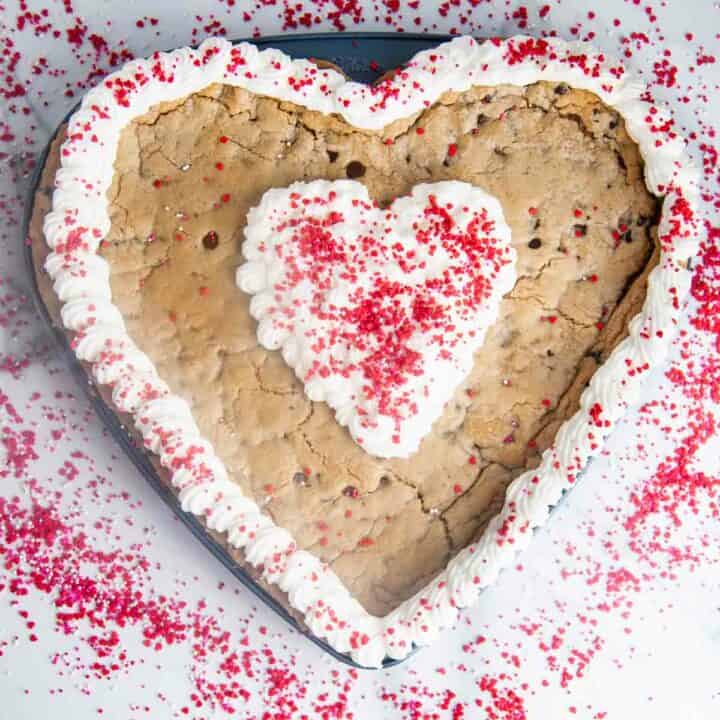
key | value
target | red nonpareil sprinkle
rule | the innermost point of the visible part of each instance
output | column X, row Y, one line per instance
column 452, row 150
column 219, row 166
column 420, row 130
column 204, row 290
column 223, row 139
column 225, row 197
column 366, row 542
column 533, row 211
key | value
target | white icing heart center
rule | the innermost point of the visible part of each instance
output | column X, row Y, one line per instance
column 378, row 311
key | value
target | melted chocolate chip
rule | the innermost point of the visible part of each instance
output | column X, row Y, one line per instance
column 481, row 119
column 211, row 240
column 535, row 243
column 562, row 89
column 332, row 155
column 354, row 169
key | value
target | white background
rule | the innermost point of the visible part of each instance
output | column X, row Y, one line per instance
column 659, row 657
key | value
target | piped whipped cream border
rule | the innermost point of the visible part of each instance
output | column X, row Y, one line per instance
column 81, row 279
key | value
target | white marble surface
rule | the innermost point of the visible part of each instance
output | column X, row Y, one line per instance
column 659, row 649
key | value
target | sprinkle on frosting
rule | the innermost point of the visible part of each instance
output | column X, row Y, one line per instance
column 379, row 311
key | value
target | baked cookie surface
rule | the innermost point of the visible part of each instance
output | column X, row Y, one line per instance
column 571, row 185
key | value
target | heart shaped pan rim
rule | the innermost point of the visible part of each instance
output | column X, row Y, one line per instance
column 79, row 221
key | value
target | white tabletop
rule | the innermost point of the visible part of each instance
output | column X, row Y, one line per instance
column 611, row 613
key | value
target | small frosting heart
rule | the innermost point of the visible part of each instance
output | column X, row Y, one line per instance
column 378, row 311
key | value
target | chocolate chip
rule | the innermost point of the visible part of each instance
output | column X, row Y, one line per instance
column 354, row 169
column 350, row 491
column 550, row 353
column 211, row 240
column 627, row 237
column 385, row 481
column 535, row 243
column 481, row 119
column 613, row 124
column 562, row 89
column 332, row 155
column 487, row 99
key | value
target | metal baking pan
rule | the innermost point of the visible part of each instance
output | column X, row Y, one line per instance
column 363, row 57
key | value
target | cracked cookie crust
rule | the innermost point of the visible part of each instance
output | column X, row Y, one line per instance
column 570, row 182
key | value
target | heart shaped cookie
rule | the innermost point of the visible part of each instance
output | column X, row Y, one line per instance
column 379, row 312
column 160, row 168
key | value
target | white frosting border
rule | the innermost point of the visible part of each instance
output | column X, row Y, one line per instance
column 79, row 220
